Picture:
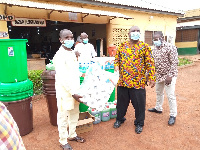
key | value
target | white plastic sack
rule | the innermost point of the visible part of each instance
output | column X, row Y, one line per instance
column 97, row 86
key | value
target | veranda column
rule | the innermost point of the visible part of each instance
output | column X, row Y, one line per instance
column 3, row 24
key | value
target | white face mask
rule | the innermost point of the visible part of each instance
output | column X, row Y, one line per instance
column 135, row 35
column 85, row 41
column 68, row 43
column 157, row 43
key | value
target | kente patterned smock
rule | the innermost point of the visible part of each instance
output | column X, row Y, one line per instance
column 133, row 63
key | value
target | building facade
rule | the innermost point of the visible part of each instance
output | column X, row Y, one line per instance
column 105, row 22
column 188, row 33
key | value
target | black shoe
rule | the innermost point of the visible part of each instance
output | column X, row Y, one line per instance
column 154, row 110
column 118, row 123
column 171, row 120
column 138, row 129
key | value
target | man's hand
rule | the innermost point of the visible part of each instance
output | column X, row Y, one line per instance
column 77, row 53
column 77, row 97
column 152, row 84
column 168, row 80
column 116, row 68
column 83, row 75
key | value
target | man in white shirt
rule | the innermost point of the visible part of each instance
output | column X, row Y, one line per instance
column 85, row 49
column 67, row 84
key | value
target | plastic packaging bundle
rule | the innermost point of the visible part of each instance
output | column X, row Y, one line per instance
column 50, row 66
column 97, row 86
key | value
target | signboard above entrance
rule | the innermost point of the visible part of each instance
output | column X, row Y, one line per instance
column 7, row 18
column 29, row 22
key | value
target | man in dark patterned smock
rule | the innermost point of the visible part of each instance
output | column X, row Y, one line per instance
column 166, row 62
column 133, row 59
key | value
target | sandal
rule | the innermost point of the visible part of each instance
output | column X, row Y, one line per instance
column 77, row 139
column 66, row 147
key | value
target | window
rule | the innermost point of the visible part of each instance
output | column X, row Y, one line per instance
column 149, row 37
column 187, row 35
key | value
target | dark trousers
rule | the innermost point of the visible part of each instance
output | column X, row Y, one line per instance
column 138, row 100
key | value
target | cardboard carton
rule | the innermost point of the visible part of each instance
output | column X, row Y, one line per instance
column 85, row 122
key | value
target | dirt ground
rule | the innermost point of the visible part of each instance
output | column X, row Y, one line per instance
column 156, row 135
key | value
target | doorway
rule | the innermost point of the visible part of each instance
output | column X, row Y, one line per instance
column 45, row 40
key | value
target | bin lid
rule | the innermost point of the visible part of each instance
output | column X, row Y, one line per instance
column 16, row 91
column 17, row 87
column 16, row 96
column 13, row 40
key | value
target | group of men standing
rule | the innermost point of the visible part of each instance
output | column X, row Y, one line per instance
column 138, row 66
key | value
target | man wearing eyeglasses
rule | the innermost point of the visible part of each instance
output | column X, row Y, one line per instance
column 166, row 61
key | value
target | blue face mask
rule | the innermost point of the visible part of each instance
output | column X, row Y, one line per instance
column 157, row 43
column 68, row 43
column 135, row 35
column 85, row 41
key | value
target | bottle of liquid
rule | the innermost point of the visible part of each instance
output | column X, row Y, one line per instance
column 83, row 68
column 115, row 101
column 80, row 67
column 91, row 62
column 108, row 64
column 88, row 65
column 112, row 65
column 105, row 114
column 89, row 110
column 113, row 111
column 97, row 115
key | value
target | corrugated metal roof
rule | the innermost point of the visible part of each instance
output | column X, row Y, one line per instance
column 141, row 4
column 191, row 23
column 58, row 7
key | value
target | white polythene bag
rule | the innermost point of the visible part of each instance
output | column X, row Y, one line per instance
column 97, row 86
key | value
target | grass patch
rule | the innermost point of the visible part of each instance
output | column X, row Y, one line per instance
column 184, row 61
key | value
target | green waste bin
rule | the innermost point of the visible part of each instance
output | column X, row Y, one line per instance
column 16, row 91
column 13, row 60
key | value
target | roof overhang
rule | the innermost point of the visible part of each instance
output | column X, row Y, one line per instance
column 64, row 8
column 188, row 23
column 146, row 6
column 188, row 19
column 191, row 23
